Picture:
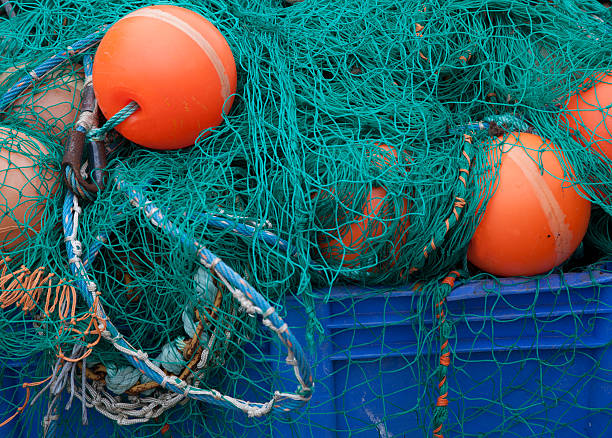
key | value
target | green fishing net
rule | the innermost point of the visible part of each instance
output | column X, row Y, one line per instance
column 343, row 110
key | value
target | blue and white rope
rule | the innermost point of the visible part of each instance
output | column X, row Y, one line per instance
column 246, row 230
column 80, row 46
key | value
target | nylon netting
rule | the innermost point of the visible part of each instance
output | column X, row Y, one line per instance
column 335, row 101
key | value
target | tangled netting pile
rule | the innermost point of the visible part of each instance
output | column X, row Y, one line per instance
column 334, row 100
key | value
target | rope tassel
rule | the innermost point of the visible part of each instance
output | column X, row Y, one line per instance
column 26, row 289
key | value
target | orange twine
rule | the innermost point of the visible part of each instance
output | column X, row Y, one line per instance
column 25, row 287
column 21, row 408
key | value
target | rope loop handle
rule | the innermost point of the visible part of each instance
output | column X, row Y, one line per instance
column 241, row 290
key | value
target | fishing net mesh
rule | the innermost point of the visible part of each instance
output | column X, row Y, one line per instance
column 344, row 110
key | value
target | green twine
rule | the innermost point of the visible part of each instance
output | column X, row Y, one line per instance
column 100, row 133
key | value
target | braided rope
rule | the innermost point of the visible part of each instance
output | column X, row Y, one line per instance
column 441, row 409
column 125, row 112
column 93, row 395
column 250, row 299
column 458, row 205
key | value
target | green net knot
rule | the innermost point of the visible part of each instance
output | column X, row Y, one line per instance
column 510, row 122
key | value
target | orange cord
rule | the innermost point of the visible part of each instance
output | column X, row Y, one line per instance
column 65, row 300
column 25, row 287
column 21, row 408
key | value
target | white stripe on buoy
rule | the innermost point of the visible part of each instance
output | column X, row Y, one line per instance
column 194, row 35
column 555, row 216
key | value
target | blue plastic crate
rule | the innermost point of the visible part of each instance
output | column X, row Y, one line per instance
column 529, row 358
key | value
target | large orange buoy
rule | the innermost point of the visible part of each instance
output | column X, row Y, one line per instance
column 175, row 65
column 385, row 156
column 52, row 106
column 56, row 107
column 590, row 113
column 534, row 221
column 25, row 186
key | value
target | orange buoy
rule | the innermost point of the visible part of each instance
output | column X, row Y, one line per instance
column 354, row 239
column 56, row 107
column 175, row 65
column 534, row 221
column 25, row 187
column 589, row 112
column 358, row 237
column 385, row 156
column 52, row 106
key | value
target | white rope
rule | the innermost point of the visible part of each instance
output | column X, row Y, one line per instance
column 34, row 76
column 261, row 411
column 283, row 328
column 292, row 361
column 86, row 120
column 268, row 312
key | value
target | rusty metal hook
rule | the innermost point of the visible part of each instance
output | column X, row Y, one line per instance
column 91, row 174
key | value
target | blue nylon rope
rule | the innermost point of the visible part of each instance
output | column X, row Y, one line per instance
column 49, row 65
